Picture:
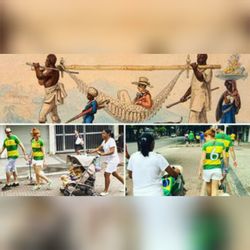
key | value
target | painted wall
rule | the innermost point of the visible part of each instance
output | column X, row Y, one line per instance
column 21, row 95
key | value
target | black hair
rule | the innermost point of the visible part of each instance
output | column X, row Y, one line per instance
column 109, row 132
column 205, row 56
column 145, row 144
column 52, row 58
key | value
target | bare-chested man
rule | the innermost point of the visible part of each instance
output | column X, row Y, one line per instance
column 54, row 91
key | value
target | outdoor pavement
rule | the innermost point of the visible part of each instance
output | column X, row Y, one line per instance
column 238, row 180
column 56, row 168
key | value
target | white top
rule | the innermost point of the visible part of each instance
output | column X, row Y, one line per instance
column 147, row 173
column 110, row 143
column 79, row 140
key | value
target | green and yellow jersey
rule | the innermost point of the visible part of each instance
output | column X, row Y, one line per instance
column 37, row 152
column 11, row 144
column 214, row 153
column 233, row 136
column 226, row 139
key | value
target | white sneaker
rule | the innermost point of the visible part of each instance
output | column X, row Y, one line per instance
column 36, row 187
column 122, row 190
column 49, row 184
column 104, row 193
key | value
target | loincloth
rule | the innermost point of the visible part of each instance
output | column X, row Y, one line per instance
column 56, row 92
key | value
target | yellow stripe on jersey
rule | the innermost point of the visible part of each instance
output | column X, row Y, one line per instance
column 38, row 154
column 216, row 149
column 10, row 142
column 13, row 153
column 212, row 162
column 226, row 142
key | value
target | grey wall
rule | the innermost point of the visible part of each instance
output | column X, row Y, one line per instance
column 23, row 132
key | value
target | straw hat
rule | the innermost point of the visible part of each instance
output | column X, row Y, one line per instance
column 93, row 91
column 143, row 81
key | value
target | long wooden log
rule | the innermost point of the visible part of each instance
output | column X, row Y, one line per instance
column 139, row 67
column 59, row 68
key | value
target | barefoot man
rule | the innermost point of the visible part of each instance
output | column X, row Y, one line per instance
column 54, row 91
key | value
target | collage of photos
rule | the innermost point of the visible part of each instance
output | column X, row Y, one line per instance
column 124, row 125
column 145, row 125
column 62, row 160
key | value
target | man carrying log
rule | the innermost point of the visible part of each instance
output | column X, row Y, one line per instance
column 199, row 91
column 48, row 77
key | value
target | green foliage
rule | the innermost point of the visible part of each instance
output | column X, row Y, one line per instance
column 160, row 130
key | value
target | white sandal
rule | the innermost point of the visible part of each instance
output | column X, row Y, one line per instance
column 104, row 193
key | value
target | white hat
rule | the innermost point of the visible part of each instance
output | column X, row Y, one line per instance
column 8, row 130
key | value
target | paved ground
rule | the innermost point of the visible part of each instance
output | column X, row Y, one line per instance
column 176, row 153
column 57, row 167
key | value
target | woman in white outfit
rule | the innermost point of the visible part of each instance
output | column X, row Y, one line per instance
column 146, row 168
column 108, row 149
